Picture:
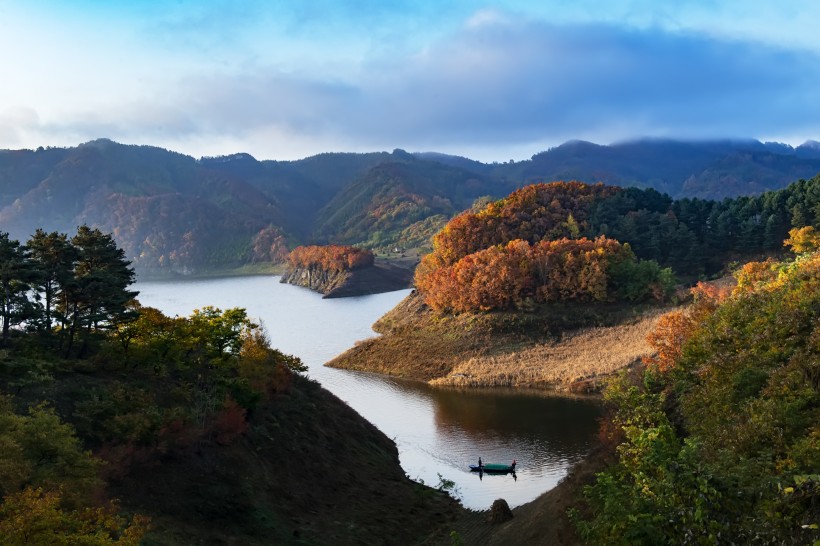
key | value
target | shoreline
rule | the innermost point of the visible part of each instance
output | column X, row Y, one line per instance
column 560, row 349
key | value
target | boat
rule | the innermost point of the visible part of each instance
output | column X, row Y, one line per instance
column 491, row 468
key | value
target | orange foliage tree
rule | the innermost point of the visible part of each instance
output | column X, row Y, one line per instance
column 330, row 257
column 507, row 276
column 801, row 240
column 675, row 328
column 495, row 259
column 533, row 213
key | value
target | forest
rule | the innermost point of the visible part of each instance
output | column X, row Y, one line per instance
column 717, row 440
column 497, row 256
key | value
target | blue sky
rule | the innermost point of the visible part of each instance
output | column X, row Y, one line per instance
column 487, row 80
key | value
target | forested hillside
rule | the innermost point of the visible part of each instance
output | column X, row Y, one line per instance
column 572, row 241
column 175, row 214
column 120, row 425
column 717, row 442
column 707, row 170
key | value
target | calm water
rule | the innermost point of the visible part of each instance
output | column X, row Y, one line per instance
column 437, row 431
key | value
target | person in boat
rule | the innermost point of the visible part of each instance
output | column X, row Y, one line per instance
column 480, row 464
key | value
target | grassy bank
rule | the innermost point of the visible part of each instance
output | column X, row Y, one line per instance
column 565, row 347
column 578, row 359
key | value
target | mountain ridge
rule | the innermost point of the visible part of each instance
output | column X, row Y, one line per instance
column 174, row 214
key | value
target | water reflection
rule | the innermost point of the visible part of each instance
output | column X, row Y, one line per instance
column 439, row 433
column 442, row 432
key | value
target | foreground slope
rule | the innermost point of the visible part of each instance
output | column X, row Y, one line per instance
column 310, row 470
column 718, row 442
column 198, row 425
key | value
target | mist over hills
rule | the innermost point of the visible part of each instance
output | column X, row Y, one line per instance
column 172, row 213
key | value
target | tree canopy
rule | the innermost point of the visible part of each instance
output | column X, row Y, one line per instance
column 718, row 441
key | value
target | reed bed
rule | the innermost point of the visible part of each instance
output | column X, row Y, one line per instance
column 580, row 355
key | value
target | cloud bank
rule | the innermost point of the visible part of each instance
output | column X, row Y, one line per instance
column 496, row 82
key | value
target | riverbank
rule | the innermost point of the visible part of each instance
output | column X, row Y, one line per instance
column 543, row 521
column 558, row 347
column 245, row 270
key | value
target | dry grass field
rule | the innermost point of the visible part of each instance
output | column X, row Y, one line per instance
column 556, row 347
column 580, row 355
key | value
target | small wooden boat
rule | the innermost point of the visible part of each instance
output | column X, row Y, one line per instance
column 491, row 468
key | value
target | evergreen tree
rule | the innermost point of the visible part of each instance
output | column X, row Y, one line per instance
column 53, row 259
column 98, row 294
column 15, row 275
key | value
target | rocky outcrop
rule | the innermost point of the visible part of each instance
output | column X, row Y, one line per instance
column 320, row 280
column 375, row 279
column 500, row 512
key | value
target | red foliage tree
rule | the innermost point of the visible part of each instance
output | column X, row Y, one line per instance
column 675, row 328
column 534, row 213
column 506, row 276
column 330, row 257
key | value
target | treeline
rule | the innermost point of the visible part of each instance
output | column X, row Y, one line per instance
column 693, row 237
column 78, row 285
column 519, row 274
column 699, row 237
column 330, row 257
column 717, row 442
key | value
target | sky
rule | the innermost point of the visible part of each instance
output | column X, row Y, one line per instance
column 492, row 81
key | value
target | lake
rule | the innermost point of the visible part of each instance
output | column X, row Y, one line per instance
column 438, row 432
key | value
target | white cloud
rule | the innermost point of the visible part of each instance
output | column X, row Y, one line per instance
column 498, row 81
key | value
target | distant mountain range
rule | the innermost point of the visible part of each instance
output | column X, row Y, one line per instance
column 173, row 213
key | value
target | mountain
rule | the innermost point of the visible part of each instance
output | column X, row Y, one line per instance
column 402, row 202
column 173, row 213
column 678, row 168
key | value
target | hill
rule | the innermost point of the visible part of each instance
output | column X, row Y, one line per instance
column 174, row 214
column 717, row 440
column 196, row 424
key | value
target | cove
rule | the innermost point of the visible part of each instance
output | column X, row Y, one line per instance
column 438, row 432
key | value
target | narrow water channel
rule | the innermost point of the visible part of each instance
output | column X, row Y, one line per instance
column 438, row 432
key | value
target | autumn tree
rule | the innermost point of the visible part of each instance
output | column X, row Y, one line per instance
column 518, row 274
column 803, row 239
column 35, row 517
column 330, row 257
column 533, row 213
